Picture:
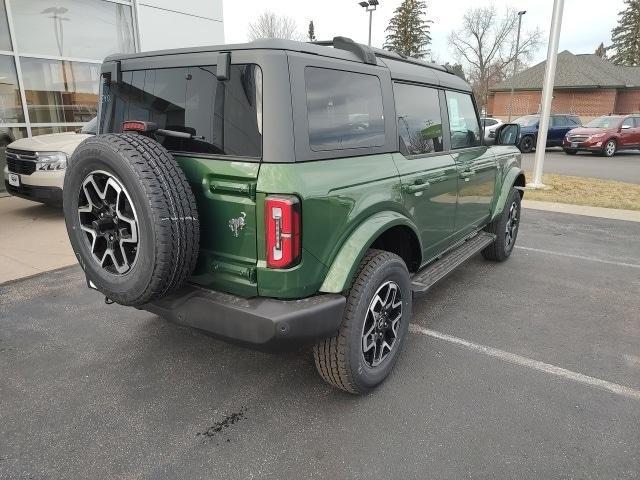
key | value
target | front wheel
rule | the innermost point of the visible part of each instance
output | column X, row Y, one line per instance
column 505, row 227
column 609, row 149
column 374, row 326
column 526, row 144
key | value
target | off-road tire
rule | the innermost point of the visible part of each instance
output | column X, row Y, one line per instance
column 339, row 359
column 527, row 144
column 501, row 249
column 168, row 225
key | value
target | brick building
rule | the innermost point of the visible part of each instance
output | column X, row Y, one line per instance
column 585, row 85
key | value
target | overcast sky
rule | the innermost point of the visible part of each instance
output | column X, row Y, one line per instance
column 586, row 23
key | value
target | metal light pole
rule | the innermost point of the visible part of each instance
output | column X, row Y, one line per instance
column 515, row 62
column 547, row 92
column 370, row 6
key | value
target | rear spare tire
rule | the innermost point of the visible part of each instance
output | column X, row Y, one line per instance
column 131, row 217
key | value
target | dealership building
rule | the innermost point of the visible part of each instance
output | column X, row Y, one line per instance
column 51, row 51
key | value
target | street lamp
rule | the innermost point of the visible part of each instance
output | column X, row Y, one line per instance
column 370, row 6
column 515, row 62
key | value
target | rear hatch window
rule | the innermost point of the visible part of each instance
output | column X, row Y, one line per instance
column 223, row 118
column 220, row 157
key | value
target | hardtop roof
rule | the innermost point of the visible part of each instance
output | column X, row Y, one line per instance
column 401, row 67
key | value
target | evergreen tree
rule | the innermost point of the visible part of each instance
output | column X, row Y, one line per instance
column 312, row 32
column 456, row 69
column 625, row 37
column 408, row 31
column 601, row 51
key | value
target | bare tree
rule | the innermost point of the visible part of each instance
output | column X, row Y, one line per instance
column 486, row 47
column 270, row 25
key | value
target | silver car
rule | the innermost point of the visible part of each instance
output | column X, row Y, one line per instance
column 490, row 125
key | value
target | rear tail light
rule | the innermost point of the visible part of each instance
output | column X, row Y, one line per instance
column 138, row 126
column 282, row 230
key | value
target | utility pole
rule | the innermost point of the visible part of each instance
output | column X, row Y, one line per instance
column 515, row 62
column 370, row 7
column 547, row 93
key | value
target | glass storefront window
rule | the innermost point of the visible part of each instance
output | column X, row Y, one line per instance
column 47, row 130
column 10, row 102
column 5, row 41
column 58, row 91
column 8, row 135
column 90, row 29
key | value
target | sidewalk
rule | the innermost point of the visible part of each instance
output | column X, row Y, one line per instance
column 611, row 213
column 33, row 239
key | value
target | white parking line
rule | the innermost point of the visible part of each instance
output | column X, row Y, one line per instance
column 527, row 362
column 579, row 257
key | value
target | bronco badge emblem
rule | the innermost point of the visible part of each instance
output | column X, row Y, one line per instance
column 237, row 224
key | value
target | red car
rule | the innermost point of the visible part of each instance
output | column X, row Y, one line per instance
column 605, row 135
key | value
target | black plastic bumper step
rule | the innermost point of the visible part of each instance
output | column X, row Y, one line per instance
column 429, row 276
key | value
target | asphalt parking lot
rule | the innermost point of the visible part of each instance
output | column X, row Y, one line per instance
column 96, row 391
column 623, row 167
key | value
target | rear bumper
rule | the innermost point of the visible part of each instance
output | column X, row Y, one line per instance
column 261, row 323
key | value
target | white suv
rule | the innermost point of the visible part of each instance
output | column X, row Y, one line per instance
column 35, row 166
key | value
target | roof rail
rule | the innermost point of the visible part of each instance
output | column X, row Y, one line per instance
column 363, row 52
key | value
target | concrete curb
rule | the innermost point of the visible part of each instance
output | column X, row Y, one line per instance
column 610, row 213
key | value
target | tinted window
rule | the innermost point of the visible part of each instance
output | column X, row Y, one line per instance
column 465, row 129
column 419, row 120
column 344, row 109
column 224, row 118
column 527, row 121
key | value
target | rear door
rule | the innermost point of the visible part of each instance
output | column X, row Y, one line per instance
column 220, row 154
column 636, row 131
column 628, row 133
column 558, row 128
column 428, row 172
column 475, row 163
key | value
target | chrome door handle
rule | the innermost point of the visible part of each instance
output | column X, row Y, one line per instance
column 467, row 173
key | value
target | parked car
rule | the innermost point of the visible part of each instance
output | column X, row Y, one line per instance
column 325, row 189
column 605, row 135
column 36, row 166
column 490, row 125
column 559, row 125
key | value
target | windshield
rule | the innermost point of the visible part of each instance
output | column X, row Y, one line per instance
column 604, row 122
column 527, row 121
column 91, row 128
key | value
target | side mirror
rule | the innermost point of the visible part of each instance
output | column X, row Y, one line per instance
column 508, row 134
column 625, row 127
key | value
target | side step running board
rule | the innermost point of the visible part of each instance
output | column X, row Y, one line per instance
column 429, row 276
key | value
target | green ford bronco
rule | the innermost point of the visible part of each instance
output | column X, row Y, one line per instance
column 276, row 193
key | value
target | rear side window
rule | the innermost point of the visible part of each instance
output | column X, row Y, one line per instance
column 344, row 109
column 637, row 120
column 628, row 122
column 223, row 118
column 463, row 121
column 419, row 119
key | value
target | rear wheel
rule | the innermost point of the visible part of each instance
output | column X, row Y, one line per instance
column 374, row 327
column 505, row 227
column 609, row 149
column 131, row 217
